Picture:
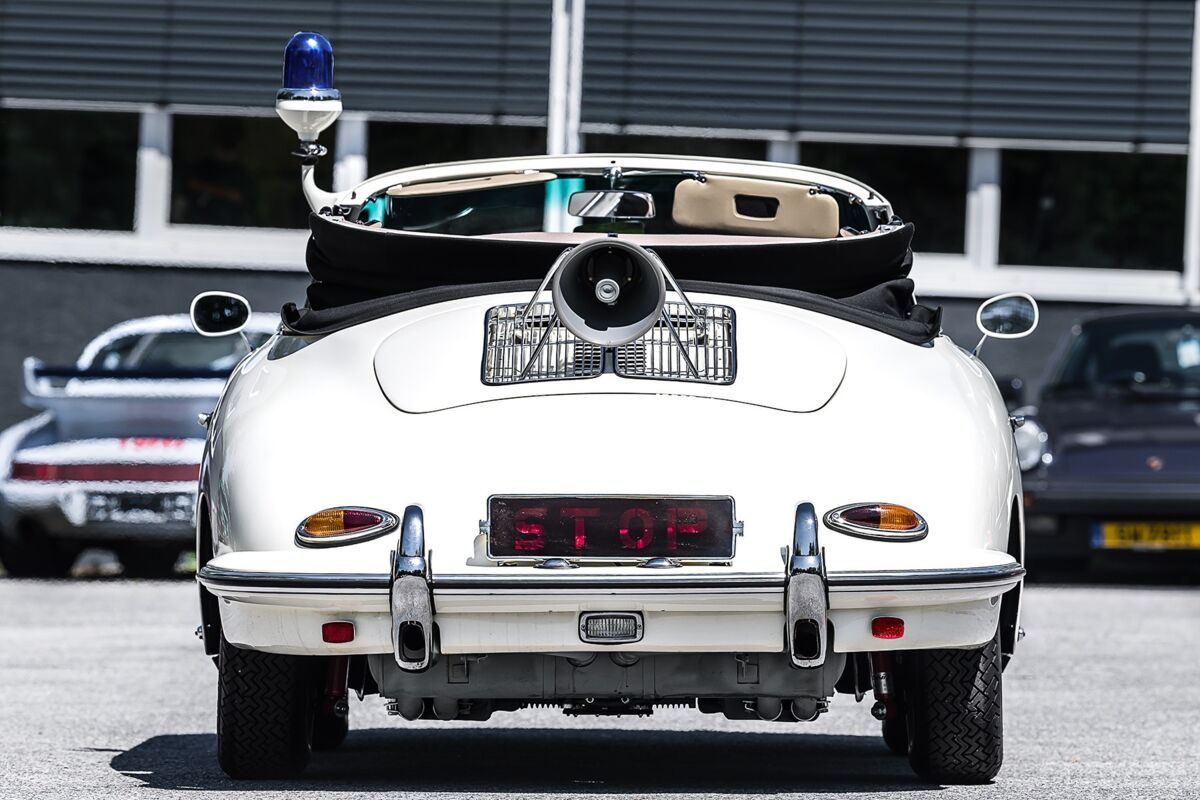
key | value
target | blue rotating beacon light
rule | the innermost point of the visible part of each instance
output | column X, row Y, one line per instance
column 308, row 103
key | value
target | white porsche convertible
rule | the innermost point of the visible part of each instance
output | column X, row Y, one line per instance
column 607, row 433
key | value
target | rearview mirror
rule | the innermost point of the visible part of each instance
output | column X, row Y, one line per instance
column 611, row 204
column 219, row 313
column 1007, row 316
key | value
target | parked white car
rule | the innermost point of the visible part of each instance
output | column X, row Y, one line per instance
column 607, row 433
column 113, row 457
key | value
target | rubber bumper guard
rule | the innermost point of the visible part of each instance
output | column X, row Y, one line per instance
column 807, row 597
column 411, row 598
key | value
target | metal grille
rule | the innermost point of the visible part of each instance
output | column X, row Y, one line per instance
column 512, row 353
column 707, row 340
column 510, row 346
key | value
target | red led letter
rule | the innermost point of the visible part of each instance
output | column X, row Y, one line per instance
column 533, row 532
column 685, row 520
column 644, row 536
column 579, row 515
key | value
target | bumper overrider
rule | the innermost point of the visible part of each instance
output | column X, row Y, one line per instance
column 803, row 612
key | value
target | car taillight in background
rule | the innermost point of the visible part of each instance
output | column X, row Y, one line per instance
column 153, row 473
column 886, row 521
column 344, row 525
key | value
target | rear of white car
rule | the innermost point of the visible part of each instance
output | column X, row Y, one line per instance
column 452, row 582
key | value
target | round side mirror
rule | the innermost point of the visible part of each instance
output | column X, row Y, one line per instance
column 219, row 313
column 1007, row 316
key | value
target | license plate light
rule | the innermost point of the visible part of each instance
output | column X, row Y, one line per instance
column 623, row 627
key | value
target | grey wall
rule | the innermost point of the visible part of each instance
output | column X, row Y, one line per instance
column 472, row 56
column 1114, row 70
column 52, row 310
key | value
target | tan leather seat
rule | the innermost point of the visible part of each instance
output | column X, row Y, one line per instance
column 722, row 204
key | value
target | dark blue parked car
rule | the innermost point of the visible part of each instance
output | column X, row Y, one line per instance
column 1111, row 452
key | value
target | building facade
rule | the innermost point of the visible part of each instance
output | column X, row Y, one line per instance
column 1038, row 147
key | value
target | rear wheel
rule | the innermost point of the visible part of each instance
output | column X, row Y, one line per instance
column 955, row 720
column 264, row 713
column 32, row 554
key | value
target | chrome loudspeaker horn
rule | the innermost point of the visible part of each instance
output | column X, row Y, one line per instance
column 608, row 292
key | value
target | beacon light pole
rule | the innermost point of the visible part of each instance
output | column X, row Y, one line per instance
column 308, row 104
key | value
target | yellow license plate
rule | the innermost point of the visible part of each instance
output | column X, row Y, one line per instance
column 1147, row 535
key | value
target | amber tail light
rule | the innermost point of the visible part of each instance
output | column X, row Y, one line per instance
column 344, row 525
column 886, row 521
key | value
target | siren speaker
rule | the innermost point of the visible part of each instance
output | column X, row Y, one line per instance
column 608, row 291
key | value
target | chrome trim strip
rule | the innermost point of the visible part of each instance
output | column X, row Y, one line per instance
column 369, row 583
column 996, row 574
column 833, row 520
column 525, row 583
column 212, row 577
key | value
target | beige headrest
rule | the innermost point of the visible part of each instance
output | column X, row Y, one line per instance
column 775, row 209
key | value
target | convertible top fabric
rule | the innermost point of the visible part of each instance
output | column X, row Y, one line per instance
column 888, row 308
column 362, row 273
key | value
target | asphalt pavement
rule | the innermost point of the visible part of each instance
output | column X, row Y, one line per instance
column 105, row 692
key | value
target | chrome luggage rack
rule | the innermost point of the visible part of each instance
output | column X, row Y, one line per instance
column 525, row 342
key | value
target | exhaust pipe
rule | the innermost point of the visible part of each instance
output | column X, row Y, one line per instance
column 445, row 708
column 807, row 709
column 410, row 708
column 768, row 709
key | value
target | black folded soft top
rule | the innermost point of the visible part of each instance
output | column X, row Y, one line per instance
column 362, row 273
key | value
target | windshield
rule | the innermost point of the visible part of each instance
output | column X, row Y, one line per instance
column 174, row 350
column 458, row 208
column 1153, row 354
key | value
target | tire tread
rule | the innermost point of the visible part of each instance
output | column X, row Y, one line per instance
column 264, row 714
column 956, row 723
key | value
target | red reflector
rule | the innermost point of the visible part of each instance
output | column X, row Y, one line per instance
column 23, row 471
column 337, row 632
column 887, row 627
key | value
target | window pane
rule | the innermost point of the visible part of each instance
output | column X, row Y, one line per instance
column 393, row 145
column 677, row 146
column 1119, row 210
column 240, row 171
column 925, row 185
column 67, row 169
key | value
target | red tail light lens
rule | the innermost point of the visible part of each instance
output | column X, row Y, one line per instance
column 344, row 525
column 878, row 521
column 887, row 628
column 337, row 632
column 162, row 473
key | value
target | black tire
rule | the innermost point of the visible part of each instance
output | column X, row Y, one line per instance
column 264, row 713
column 36, row 556
column 895, row 735
column 148, row 561
column 955, row 714
column 329, row 730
